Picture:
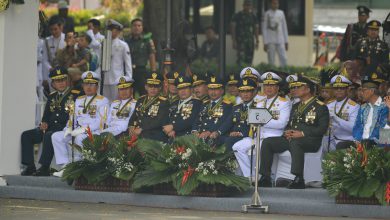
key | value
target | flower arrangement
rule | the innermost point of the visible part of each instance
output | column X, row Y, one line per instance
column 187, row 163
column 359, row 172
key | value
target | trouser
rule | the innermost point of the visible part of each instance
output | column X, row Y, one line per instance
column 277, row 48
column 297, row 147
column 348, row 144
column 110, row 92
column 240, row 149
column 245, row 52
column 139, row 73
column 62, row 148
column 35, row 136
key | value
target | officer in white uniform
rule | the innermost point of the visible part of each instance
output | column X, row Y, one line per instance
column 251, row 73
column 275, row 34
column 122, row 108
column 120, row 61
column 343, row 112
column 89, row 112
column 97, row 39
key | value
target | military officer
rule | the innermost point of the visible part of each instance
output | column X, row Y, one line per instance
column 142, row 50
column 54, row 119
column 371, row 49
column 253, row 74
column 309, row 120
column 151, row 111
column 213, row 114
column 183, row 112
column 199, row 85
column 121, row 109
column 232, row 89
column 172, row 89
column 353, row 33
column 292, row 80
column 120, row 61
column 89, row 111
column 343, row 112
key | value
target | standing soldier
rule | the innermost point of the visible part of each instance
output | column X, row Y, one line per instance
column 183, row 112
column 142, row 49
column 199, row 85
column 353, row 33
column 214, row 113
column 172, row 88
column 309, row 120
column 54, row 119
column 245, row 33
column 151, row 111
column 371, row 49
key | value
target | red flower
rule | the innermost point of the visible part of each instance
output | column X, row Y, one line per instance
column 187, row 173
column 180, row 150
column 131, row 143
column 387, row 193
column 90, row 135
column 360, row 148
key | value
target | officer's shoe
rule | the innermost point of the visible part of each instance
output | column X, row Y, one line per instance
column 297, row 183
column 29, row 170
column 265, row 181
column 43, row 171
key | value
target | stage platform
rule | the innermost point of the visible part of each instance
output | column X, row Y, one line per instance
column 311, row 202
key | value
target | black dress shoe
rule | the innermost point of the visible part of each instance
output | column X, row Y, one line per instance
column 43, row 171
column 28, row 171
column 265, row 181
column 297, row 183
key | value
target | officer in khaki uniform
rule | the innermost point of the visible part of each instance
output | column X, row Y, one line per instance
column 184, row 112
column 151, row 111
column 172, row 89
column 309, row 120
column 199, row 86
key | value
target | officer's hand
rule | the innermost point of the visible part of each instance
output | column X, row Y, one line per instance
column 296, row 134
column 286, row 45
column 167, row 128
column 235, row 134
column 171, row 134
column 43, row 126
column 288, row 133
column 387, row 101
column 214, row 135
column 204, row 134
column 265, row 48
column 137, row 131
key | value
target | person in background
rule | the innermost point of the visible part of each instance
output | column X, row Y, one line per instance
column 210, row 47
column 63, row 10
column 96, row 39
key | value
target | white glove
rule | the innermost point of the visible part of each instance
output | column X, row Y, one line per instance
column 68, row 131
column 78, row 131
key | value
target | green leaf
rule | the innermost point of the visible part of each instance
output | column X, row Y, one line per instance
column 187, row 187
column 380, row 194
column 369, row 188
column 150, row 177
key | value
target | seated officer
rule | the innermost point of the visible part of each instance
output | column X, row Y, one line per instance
column 121, row 109
column 253, row 74
column 54, row 119
column 309, row 120
column 88, row 112
column 172, row 90
column 373, row 115
column 292, row 82
column 151, row 111
column 184, row 112
column 343, row 112
column 199, row 85
column 213, row 114
column 232, row 89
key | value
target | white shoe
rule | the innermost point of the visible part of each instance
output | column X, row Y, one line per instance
column 59, row 173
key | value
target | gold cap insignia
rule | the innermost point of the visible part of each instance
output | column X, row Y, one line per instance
column 231, row 77
column 213, row 79
column 89, row 75
column 58, row 72
column 248, row 71
column 154, row 75
column 290, row 79
column 245, row 82
column 122, row 80
column 374, row 76
column 175, row 74
column 269, row 76
column 195, row 77
column 181, row 79
column 339, row 79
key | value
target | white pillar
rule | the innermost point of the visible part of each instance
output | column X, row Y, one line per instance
column 18, row 64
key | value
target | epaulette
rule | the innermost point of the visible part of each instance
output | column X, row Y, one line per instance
column 351, row 102
column 134, row 100
column 162, row 98
column 195, row 98
column 330, row 101
column 142, row 96
column 52, row 93
column 206, row 101
column 320, row 103
column 116, row 101
column 75, row 91
column 99, row 97
column 227, row 102
column 81, row 97
column 261, row 93
column 283, row 99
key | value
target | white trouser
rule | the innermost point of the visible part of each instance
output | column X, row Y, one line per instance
column 110, row 92
column 62, row 149
column 280, row 49
column 240, row 149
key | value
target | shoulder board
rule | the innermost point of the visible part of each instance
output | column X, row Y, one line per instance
column 261, row 93
column 75, row 91
column 52, row 93
column 134, row 100
column 99, row 97
column 227, row 102
column 162, row 98
column 194, row 98
column 259, row 100
column 81, row 97
column 116, row 101
column 320, row 103
column 331, row 101
column 282, row 99
column 206, row 101
column 351, row 102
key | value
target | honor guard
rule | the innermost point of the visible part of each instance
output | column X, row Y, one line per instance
column 172, row 90
column 121, row 109
column 54, row 119
column 183, row 112
column 213, row 114
column 199, row 85
column 89, row 113
column 151, row 111
column 232, row 90
column 309, row 120
column 371, row 49
column 353, row 33
column 343, row 112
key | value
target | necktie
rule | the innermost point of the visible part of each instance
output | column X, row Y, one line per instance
column 245, row 107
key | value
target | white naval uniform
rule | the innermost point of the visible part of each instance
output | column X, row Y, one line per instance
column 96, row 46
column 275, row 35
column 119, row 123
column 280, row 111
column 54, row 44
column 257, row 99
column 92, row 119
column 120, row 66
column 341, row 126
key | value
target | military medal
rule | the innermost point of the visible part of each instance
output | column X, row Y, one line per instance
column 86, row 107
column 119, row 112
